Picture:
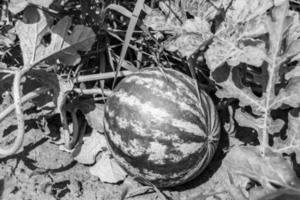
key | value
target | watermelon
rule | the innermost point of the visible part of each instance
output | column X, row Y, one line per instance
column 158, row 127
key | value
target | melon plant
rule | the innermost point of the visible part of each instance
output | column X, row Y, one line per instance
column 160, row 127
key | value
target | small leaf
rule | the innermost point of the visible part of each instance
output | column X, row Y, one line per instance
column 93, row 144
column 108, row 170
column 269, row 169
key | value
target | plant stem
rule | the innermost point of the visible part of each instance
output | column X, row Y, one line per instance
column 17, row 95
column 102, row 76
column 270, row 90
column 93, row 91
column 24, row 99
column 20, row 118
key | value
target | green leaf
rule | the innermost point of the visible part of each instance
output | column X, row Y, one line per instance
column 31, row 32
column 291, row 143
column 63, row 44
column 40, row 78
column 269, row 169
column 281, row 194
column 259, row 51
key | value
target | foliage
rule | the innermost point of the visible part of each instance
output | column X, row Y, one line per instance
column 252, row 57
column 66, row 56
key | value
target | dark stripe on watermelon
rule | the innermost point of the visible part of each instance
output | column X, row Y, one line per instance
column 189, row 84
column 161, row 102
column 167, row 170
column 131, row 112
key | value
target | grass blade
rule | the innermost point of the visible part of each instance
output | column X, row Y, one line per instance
column 133, row 20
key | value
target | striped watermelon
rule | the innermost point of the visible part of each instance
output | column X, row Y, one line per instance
column 158, row 129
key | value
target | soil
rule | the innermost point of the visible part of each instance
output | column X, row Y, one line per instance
column 40, row 170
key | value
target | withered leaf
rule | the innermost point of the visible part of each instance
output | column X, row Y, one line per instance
column 92, row 145
column 188, row 34
column 108, row 170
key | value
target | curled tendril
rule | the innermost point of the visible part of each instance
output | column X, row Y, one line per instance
column 79, row 126
column 17, row 106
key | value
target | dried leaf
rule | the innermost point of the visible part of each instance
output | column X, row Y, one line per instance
column 108, row 170
column 204, row 9
column 194, row 33
column 16, row 6
column 62, row 46
column 95, row 117
column 188, row 34
column 92, row 144
column 269, row 169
